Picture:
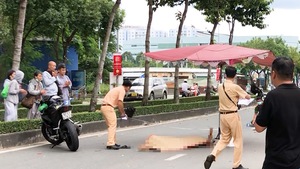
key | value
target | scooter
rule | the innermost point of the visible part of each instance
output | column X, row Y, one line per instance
column 57, row 125
column 259, row 100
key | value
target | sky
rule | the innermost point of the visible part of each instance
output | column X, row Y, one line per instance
column 283, row 21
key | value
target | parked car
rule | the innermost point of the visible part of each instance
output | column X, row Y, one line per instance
column 157, row 89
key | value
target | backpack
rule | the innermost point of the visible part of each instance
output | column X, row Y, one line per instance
column 4, row 92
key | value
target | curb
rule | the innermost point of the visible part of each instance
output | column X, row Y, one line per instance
column 34, row 136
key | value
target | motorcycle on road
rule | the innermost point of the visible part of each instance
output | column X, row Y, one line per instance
column 57, row 125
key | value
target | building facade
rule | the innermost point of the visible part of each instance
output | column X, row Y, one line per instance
column 132, row 39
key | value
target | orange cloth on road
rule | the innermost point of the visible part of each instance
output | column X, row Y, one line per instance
column 168, row 143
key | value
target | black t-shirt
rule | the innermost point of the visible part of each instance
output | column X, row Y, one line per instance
column 280, row 113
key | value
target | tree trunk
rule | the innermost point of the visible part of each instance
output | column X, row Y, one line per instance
column 66, row 45
column 176, row 85
column 176, row 76
column 19, row 35
column 212, row 33
column 56, row 46
column 147, row 49
column 208, row 86
column 93, row 102
column 231, row 31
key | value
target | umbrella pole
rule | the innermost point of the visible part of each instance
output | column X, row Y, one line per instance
column 219, row 131
column 220, row 78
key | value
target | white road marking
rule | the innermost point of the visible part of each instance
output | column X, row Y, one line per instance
column 175, row 157
column 23, row 147
column 181, row 128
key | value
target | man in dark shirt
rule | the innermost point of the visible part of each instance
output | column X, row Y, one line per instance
column 280, row 115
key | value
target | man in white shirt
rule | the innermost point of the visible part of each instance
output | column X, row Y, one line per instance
column 185, row 88
column 49, row 79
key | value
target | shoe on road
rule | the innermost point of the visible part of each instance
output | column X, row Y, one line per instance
column 113, row 147
column 240, row 167
column 125, row 147
column 208, row 161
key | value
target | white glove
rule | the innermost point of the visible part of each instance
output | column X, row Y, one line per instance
column 124, row 117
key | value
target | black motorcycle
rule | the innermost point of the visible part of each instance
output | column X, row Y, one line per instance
column 57, row 125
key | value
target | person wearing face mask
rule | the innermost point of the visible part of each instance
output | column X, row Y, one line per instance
column 14, row 80
column 35, row 88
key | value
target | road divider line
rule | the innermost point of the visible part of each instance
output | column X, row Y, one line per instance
column 175, row 157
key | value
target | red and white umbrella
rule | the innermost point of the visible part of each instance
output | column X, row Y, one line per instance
column 214, row 54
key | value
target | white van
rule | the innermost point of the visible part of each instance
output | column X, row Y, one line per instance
column 157, row 89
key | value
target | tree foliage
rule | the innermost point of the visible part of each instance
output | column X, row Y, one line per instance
column 247, row 13
column 214, row 12
column 276, row 44
column 78, row 23
column 103, row 57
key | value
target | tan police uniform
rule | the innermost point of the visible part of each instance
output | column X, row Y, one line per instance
column 109, row 102
column 230, row 121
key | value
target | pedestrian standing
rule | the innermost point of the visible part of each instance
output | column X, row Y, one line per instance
column 49, row 80
column 35, row 88
column 230, row 120
column 14, row 81
column 64, row 81
column 114, row 98
column 280, row 116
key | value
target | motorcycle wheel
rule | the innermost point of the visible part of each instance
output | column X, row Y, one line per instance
column 48, row 136
column 70, row 135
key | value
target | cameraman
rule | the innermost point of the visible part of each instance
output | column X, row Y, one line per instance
column 280, row 116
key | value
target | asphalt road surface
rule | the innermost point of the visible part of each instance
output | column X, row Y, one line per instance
column 92, row 153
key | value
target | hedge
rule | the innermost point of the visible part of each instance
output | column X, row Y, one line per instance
column 22, row 112
column 82, row 117
column 79, row 107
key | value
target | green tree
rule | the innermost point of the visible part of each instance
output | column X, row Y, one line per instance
column 277, row 45
column 214, row 12
column 128, row 60
column 140, row 59
column 93, row 101
column 45, row 18
column 151, row 8
column 180, row 16
column 70, row 17
column 89, row 47
column 19, row 35
column 247, row 13
column 29, row 52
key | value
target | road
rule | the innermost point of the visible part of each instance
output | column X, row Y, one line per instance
column 93, row 155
